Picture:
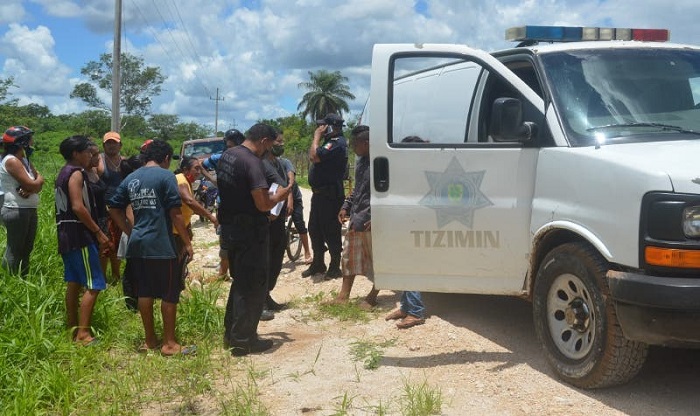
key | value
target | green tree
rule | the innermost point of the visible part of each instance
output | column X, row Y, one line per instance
column 163, row 126
column 5, row 85
column 138, row 84
column 326, row 93
column 191, row 130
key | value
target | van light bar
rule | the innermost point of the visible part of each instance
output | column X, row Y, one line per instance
column 574, row 34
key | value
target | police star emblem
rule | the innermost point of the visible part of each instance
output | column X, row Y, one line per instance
column 455, row 195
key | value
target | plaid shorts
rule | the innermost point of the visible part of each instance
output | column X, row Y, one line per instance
column 357, row 254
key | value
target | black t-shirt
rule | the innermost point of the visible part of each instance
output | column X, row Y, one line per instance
column 333, row 154
column 238, row 172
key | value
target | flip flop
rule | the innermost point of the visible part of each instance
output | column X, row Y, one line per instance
column 184, row 351
column 90, row 343
column 143, row 348
column 309, row 261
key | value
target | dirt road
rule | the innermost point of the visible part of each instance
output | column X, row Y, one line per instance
column 480, row 351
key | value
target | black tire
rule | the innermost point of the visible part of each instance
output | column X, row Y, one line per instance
column 293, row 242
column 576, row 322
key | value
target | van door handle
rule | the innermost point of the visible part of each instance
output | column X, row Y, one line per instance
column 381, row 174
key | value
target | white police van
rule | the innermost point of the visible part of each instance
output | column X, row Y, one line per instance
column 565, row 170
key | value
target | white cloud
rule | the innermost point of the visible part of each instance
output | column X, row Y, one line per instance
column 256, row 57
column 11, row 11
column 31, row 60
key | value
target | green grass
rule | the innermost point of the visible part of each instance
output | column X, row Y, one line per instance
column 43, row 372
column 420, row 400
column 370, row 353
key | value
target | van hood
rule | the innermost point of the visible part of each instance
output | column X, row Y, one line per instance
column 677, row 159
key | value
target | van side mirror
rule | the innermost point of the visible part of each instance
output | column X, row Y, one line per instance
column 507, row 122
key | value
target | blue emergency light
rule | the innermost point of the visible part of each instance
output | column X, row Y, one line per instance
column 577, row 34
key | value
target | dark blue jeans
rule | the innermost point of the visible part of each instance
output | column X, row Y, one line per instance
column 412, row 304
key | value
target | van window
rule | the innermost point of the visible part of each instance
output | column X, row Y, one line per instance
column 432, row 98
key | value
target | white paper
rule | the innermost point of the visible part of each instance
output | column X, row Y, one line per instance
column 277, row 208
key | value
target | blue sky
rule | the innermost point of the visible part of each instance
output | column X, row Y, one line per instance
column 257, row 51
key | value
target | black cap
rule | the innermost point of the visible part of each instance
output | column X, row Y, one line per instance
column 332, row 119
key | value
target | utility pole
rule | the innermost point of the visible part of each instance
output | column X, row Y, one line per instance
column 216, row 119
column 116, row 59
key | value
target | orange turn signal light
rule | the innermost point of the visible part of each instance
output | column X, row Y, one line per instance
column 671, row 257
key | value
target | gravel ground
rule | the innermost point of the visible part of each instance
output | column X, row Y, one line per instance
column 480, row 352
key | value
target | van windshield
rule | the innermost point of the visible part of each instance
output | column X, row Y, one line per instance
column 625, row 95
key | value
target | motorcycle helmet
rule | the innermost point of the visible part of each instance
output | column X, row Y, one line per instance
column 17, row 135
column 235, row 136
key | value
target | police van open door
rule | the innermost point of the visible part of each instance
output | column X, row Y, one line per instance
column 453, row 213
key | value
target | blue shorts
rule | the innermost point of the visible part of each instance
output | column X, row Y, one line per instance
column 83, row 266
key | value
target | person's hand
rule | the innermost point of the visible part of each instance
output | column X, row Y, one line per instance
column 190, row 252
column 103, row 241
column 23, row 193
column 320, row 131
column 342, row 216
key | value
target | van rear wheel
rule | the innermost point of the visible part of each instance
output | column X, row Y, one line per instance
column 576, row 323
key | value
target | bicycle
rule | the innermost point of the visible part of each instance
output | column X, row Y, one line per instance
column 293, row 241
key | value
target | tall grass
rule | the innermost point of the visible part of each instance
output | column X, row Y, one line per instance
column 43, row 372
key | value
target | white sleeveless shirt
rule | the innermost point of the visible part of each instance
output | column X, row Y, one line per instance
column 9, row 186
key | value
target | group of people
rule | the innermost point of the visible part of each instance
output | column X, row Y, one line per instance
column 328, row 152
column 104, row 200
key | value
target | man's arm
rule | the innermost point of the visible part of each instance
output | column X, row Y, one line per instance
column 264, row 201
column 315, row 143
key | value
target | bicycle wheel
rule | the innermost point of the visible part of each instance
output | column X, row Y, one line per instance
column 293, row 241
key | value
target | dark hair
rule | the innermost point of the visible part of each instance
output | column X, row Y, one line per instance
column 73, row 144
column 413, row 139
column 185, row 163
column 131, row 164
column 360, row 132
column 157, row 151
column 260, row 131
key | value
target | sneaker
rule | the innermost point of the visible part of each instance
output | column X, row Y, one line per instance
column 267, row 315
column 256, row 346
column 333, row 274
column 313, row 269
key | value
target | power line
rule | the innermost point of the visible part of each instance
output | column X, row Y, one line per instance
column 160, row 42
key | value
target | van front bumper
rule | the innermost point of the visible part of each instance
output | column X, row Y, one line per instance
column 657, row 310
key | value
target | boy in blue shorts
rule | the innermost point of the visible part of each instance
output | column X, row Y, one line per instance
column 78, row 236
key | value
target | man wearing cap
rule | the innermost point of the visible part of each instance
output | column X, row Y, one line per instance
column 329, row 156
column 109, row 170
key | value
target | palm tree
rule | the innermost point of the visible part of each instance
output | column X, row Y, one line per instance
column 327, row 93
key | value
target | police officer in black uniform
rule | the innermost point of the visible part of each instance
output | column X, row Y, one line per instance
column 329, row 157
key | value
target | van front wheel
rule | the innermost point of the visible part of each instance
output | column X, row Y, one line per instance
column 576, row 323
